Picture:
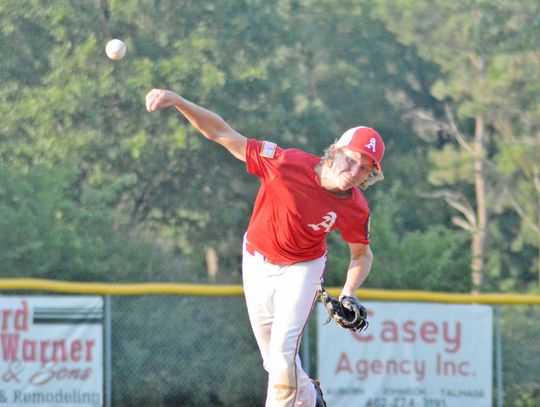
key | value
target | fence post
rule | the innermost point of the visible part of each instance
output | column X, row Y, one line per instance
column 108, row 353
column 498, row 349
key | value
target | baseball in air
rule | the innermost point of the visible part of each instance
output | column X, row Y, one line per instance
column 115, row 49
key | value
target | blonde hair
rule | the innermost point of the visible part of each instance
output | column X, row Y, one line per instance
column 374, row 176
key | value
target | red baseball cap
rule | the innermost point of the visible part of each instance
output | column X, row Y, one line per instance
column 364, row 140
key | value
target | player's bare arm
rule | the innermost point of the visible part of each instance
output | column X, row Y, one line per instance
column 211, row 125
column 359, row 268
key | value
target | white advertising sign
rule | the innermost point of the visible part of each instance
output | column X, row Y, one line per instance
column 51, row 351
column 411, row 355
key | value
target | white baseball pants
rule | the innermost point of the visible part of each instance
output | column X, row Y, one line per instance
column 279, row 301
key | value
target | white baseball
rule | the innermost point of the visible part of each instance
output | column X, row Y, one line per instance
column 115, row 49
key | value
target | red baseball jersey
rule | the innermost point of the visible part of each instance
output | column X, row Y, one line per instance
column 293, row 213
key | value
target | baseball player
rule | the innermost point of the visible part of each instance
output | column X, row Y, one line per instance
column 301, row 198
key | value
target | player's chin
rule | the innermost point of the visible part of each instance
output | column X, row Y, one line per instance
column 347, row 184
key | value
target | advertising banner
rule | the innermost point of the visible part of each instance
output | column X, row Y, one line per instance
column 411, row 355
column 51, row 351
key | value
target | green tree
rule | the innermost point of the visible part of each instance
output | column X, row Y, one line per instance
column 432, row 259
column 82, row 107
column 280, row 70
column 490, row 117
column 47, row 231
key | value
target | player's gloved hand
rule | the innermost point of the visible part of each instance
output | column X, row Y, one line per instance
column 346, row 311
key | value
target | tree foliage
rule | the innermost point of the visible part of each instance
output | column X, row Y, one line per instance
column 296, row 72
column 49, row 230
column 486, row 162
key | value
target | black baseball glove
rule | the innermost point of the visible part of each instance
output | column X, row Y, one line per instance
column 347, row 311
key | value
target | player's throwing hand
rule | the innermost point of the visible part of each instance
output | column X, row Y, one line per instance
column 158, row 99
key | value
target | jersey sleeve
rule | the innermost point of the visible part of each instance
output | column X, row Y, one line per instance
column 262, row 158
column 358, row 234
column 355, row 228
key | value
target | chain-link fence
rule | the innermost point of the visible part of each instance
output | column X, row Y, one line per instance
column 199, row 351
column 183, row 351
column 165, row 350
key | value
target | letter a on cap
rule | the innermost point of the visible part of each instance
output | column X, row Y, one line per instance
column 372, row 144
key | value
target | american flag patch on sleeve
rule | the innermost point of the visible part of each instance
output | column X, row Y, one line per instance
column 268, row 149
